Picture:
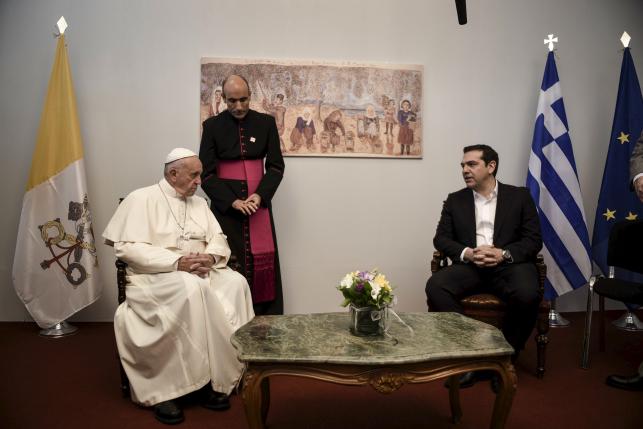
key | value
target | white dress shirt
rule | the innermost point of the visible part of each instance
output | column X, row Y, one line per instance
column 485, row 208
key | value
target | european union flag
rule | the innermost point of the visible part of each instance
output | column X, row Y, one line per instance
column 616, row 201
column 553, row 183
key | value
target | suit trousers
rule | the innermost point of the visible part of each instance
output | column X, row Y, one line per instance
column 516, row 284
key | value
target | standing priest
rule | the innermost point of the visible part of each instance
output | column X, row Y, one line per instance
column 235, row 145
column 183, row 304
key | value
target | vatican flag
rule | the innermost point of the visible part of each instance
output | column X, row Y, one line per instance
column 55, row 269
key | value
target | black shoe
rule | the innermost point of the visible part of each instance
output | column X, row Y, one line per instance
column 168, row 412
column 633, row 382
column 215, row 401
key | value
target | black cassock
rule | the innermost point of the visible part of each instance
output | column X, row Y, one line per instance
column 226, row 138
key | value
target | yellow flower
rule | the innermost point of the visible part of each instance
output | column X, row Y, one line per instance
column 381, row 281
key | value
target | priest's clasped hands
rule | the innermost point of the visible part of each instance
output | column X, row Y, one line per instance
column 196, row 263
column 484, row 255
column 249, row 205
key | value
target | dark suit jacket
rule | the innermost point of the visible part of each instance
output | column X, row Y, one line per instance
column 225, row 138
column 516, row 225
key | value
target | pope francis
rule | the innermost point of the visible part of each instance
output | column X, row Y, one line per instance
column 183, row 302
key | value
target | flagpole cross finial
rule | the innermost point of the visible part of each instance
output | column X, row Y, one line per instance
column 550, row 40
column 625, row 39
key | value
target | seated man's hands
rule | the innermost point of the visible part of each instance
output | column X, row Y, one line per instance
column 486, row 256
column 638, row 188
column 196, row 263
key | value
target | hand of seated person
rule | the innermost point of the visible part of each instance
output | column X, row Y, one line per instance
column 638, row 188
column 487, row 256
column 196, row 263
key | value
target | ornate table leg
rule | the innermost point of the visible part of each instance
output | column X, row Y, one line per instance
column 505, row 396
column 253, row 401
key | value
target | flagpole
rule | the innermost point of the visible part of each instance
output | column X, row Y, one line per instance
column 555, row 319
column 62, row 328
column 628, row 321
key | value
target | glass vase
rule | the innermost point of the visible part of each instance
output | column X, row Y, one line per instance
column 368, row 321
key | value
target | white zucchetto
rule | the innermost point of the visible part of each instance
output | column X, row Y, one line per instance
column 179, row 153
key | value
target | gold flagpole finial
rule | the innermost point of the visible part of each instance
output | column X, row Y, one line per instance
column 61, row 26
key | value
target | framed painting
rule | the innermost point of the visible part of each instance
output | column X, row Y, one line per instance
column 326, row 109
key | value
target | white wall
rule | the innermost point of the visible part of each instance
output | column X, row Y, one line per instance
column 136, row 72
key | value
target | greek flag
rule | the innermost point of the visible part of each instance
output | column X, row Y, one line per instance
column 553, row 182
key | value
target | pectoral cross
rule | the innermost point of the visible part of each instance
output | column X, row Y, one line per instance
column 183, row 239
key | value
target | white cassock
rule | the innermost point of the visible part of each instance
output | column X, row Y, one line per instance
column 173, row 330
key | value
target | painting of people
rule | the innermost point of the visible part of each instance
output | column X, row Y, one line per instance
column 328, row 109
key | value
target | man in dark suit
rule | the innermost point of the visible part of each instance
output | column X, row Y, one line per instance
column 242, row 169
column 491, row 233
column 633, row 382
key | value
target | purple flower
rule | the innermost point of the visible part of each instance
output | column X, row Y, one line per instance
column 359, row 286
column 365, row 275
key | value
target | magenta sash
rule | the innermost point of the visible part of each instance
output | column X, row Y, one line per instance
column 262, row 245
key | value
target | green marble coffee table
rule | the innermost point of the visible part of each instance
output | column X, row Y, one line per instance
column 319, row 346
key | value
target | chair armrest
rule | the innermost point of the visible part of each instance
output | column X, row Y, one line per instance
column 121, row 279
column 439, row 261
column 233, row 263
column 542, row 274
column 121, row 275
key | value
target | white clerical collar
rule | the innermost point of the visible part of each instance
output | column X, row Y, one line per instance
column 492, row 195
column 169, row 190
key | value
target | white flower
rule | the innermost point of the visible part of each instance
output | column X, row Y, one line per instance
column 375, row 290
column 346, row 282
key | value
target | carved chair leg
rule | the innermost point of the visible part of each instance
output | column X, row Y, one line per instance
column 541, row 348
column 542, row 329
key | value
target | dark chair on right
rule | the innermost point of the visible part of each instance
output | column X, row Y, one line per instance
column 624, row 250
column 491, row 309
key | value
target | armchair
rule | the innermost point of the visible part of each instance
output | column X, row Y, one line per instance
column 491, row 309
column 624, row 250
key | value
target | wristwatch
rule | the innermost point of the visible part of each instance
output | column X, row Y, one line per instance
column 506, row 255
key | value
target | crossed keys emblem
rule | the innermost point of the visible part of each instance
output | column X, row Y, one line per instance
column 71, row 246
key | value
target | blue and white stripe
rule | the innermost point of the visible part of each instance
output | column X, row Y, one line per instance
column 553, row 183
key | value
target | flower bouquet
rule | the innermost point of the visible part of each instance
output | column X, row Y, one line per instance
column 368, row 294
